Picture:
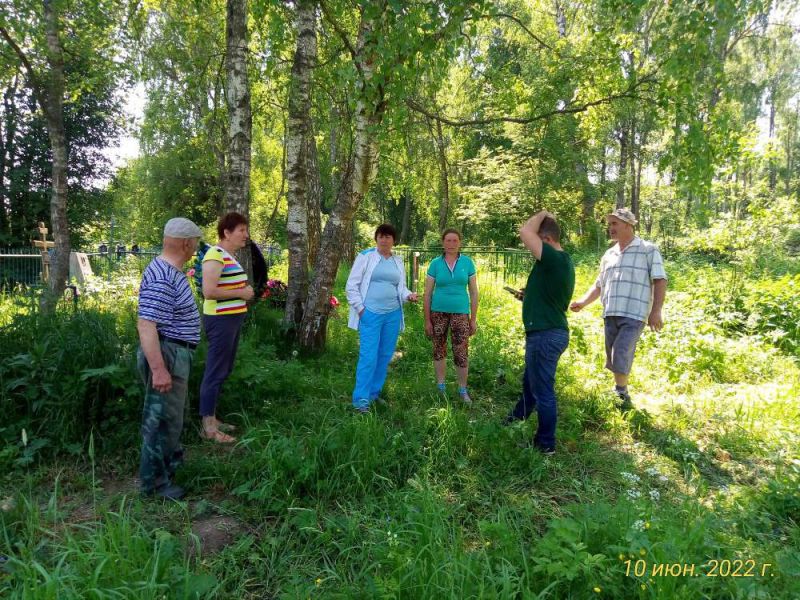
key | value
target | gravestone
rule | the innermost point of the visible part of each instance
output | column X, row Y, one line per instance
column 79, row 266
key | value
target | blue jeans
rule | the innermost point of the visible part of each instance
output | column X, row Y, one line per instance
column 378, row 337
column 542, row 351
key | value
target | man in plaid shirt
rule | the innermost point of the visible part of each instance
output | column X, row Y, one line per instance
column 632, row 286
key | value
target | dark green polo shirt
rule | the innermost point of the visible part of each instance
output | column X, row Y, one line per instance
column 549, row 290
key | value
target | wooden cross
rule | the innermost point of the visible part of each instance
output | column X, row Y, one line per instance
column 44, row 245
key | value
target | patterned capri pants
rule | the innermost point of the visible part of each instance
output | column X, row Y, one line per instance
column 458, row 324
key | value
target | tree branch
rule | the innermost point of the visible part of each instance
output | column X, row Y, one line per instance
column 566, row 110
column 516, row 20
column 341, row 33
column 35, row 85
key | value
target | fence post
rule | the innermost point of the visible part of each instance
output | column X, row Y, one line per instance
column 414, row 271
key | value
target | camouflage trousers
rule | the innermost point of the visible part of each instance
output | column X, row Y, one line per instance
column 162, row 417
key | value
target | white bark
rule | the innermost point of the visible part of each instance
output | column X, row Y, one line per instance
column 298, row 160
column 237, row 190
column 369, row 113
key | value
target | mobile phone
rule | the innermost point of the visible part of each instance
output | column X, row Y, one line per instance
column 516, row 293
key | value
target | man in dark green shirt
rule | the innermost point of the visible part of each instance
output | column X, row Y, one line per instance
column 544, row 314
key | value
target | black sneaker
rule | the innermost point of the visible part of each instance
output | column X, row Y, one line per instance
column 168, row 491
column 531, row 445
column 625, row 400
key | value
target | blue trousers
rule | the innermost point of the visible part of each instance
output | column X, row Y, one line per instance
column 542, row 351
column 378, row 337
column 222, row 332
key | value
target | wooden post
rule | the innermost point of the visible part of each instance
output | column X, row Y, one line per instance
column 44, row 246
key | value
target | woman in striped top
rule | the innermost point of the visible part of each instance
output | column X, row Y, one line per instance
column 226, row 293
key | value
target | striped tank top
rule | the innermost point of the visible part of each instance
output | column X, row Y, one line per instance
column 232, row 277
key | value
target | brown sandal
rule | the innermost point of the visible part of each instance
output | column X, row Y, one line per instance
column 215, row 435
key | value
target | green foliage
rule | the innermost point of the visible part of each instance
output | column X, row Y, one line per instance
column 423, row 497
column 115, row 554
column 74, row 370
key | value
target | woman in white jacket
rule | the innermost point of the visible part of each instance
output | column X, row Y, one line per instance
column 376, row 290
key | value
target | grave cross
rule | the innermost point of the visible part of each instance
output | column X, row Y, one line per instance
column 44, row 245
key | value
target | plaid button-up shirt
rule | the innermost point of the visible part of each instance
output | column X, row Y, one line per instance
column 625, row 280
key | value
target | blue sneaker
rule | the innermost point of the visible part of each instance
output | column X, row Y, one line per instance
column 464, row 396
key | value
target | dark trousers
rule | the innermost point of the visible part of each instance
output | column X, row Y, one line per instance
column 222, row 332
column 542, row 352
column 162, row 417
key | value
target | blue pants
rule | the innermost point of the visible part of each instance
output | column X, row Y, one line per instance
column 542, row 351
column 222, row 332
column 378, row 337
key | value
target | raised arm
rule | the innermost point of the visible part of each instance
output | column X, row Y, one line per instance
column 529, row 233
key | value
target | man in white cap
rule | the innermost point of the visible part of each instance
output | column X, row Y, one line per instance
column 169, row 331
column 632, row 286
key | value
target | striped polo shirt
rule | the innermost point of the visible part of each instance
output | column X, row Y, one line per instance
column 625, row 280
column 233, row 277
column 166, row 299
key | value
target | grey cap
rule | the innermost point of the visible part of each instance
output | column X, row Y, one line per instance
column 623, row 214
column 183, row 228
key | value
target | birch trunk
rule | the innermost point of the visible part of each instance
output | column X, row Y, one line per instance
column 298, row 161
column 314, row 195
column 369, row 113
column 53, row 105
column 240, row 121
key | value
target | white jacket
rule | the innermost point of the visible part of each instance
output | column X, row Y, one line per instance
column 358, row 284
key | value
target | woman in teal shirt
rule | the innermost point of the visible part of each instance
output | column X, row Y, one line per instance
column 449, row 307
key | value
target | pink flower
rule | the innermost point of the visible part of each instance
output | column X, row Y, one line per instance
column 334, row 301
column 190, row 272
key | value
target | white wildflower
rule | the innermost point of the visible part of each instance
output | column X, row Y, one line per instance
column 634, row 494
column 630, row 477
column 654, row 495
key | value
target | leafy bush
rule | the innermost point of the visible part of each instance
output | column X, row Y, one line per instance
column 64, row 375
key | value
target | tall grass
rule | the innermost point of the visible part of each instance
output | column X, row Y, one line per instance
column 427, row 498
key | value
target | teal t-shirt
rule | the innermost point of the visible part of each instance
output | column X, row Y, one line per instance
column 450, row 294
column 549, row 290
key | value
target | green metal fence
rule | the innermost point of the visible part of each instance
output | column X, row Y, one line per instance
column 23, row 266
column 105, row 263
column 20, row 267
column 495, row 266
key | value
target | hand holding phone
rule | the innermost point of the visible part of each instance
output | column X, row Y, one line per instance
column 518, row 294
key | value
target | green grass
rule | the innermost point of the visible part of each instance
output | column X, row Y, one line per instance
column 427, row 498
